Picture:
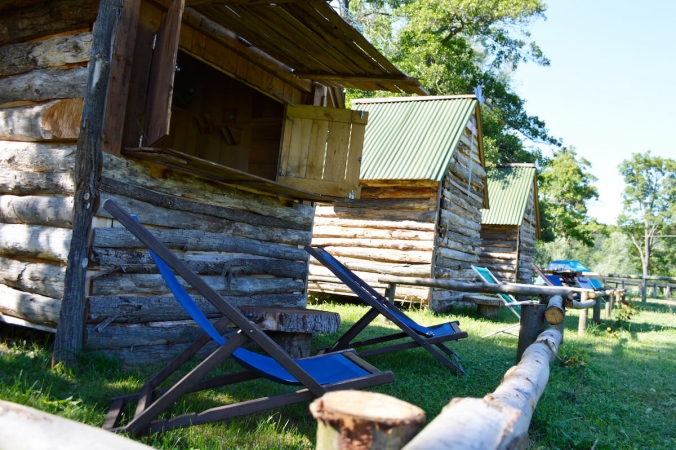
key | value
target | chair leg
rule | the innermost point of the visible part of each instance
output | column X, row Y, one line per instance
column 344, row 341
column 143, row 419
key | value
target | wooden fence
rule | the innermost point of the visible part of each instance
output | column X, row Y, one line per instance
column 623, row 281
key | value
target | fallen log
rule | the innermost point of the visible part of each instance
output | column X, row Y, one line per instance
column 501, row 419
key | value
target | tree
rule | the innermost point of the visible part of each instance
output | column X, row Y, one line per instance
column 453, row 46
column 649, row 196
column 565, row 187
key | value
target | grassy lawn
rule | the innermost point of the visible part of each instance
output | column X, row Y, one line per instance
column 615, row 387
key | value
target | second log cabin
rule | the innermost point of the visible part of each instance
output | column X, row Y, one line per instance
column 423, row 186
column 512, row 224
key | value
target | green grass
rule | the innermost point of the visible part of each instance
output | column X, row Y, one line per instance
column 617, row 387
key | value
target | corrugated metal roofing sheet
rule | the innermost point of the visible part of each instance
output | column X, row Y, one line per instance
column 412, row 138
column 508, row 189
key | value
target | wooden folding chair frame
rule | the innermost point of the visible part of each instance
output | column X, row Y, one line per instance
column 381, row 305
column 152, row 401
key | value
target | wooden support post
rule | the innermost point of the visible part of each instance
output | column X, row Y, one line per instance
column 582, row 324
column 390, row 291
column 610, row 300
column 88, row 162
column 597, row 309
column 532, row 324
column 351, row 420
column 654, row 290
column 667, row 291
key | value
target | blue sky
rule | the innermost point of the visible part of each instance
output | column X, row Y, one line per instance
column 610, row 90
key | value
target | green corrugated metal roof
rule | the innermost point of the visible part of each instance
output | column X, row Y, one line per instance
column 509, row 189
column 412, row 138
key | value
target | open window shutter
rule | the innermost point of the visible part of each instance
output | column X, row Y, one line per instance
column 161, row 83
column 321, row 150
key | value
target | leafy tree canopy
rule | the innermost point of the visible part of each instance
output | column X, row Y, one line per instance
column 566, row 184
column 649, row 205
column 453, row 46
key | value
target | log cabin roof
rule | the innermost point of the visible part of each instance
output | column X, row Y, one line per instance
column 311, row 38
column 413, row 138
column 509, row 188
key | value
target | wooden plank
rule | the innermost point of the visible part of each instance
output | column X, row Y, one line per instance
column 69, row 336
column 161, row 84
column 337, row 148
column 59, row 51
column 120, row 76
column 316, row 157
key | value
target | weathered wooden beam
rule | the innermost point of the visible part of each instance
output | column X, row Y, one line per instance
column 34, row 308
column 35, row 277
column 59, row 51
column 70, row 335
column 47, row 210
column 35, row 241
column 32, row 20
column 42, row 85
column 501, row 419
column 532, row 324
column 55, row 120
column 15, row 182
column 37, row 157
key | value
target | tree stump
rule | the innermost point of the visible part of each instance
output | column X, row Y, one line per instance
column 351, row 420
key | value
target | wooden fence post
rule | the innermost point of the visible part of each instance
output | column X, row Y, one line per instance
column 532, row 324
column 582, row 324
column 390, row 291
column 359, row 420
column 596, row 317
column 609, row 304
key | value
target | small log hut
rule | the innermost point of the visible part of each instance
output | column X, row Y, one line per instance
column 423, row 185
column 509, row 228
column 213, row 121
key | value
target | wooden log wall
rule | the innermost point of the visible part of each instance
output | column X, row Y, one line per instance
column 508, row 250
column 42, row 84
column 390, row 230
column 248, row 247
column 457, row 241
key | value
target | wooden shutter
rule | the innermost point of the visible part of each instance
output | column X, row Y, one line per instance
column 321, row 150
column 161, row 83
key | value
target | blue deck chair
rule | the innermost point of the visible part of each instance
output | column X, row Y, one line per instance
column 318, row 375
column 487, row 277
column 432, row 338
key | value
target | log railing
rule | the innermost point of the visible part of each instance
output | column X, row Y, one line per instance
column 623, row 281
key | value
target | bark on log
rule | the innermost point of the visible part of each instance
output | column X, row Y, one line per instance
column 445, row 242
column 121, row 168
column 500, row 420
column 182, row 204
column 456, row 255
column 388, row 204
column 54, row 52
column 375, row 224
column 121, row 284
column 50, row 211
column 450, row 235
column 375, row 214
column 35, row 277
column 154, row 215
column 463, row 225
column 158, row 308
column 453, row 186
column 199, row 240
column 366, row 244
column 403, row 270
column 14, row 182
column 28, row 428
column 364, row 420
column 120, row 335
column 452, row 264
column 55, row 120
column 140, row 261
column 460, row 200
column 66, row 15
column 37, row 157
column 34, row 308
column 34, row 241
column 385, row 255
column 152, row 354
column 42, row 85
column 373, row 193
column 370, row 233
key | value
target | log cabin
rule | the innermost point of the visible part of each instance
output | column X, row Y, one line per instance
column 512, row 224
column 423, row 185
column 218, row 123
